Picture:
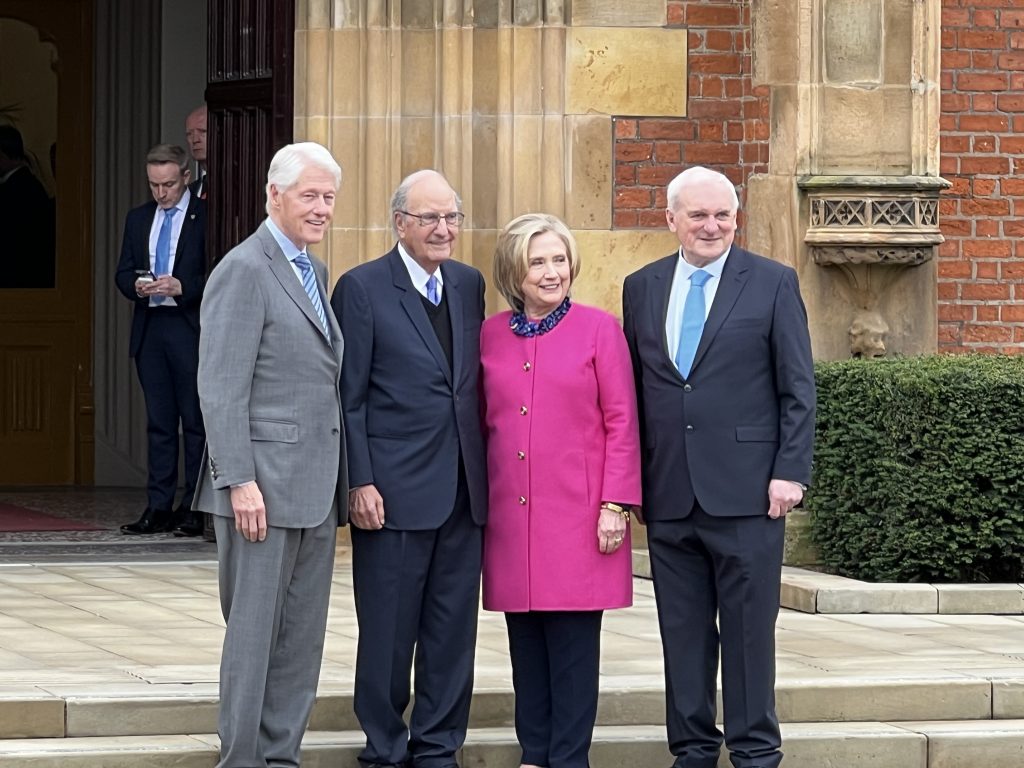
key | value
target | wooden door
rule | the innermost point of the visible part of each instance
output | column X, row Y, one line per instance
column 250, row 97
column 45, row 320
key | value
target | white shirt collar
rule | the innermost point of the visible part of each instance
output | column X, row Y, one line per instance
column 714, row 268
column 418, row 274
column 287, row 246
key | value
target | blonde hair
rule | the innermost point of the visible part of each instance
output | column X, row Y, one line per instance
column 511, row 254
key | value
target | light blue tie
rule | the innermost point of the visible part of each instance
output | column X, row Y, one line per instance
column 309, row 283
column 163, row 249
column 693, row 322
column 433, row 290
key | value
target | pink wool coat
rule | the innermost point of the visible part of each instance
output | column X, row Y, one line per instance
column 562, row 436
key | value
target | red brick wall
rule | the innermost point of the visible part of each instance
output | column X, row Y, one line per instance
column 981, row 264
column 726, row 127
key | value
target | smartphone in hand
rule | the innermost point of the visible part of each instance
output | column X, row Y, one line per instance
column 144, row 276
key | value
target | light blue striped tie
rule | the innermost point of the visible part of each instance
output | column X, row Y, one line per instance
column 309, row 283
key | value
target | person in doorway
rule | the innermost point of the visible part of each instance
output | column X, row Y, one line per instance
column 725, row 382
column 195, row 135
column 162, row 271
column 563, row 460
column 26, row 219
column 419, row 485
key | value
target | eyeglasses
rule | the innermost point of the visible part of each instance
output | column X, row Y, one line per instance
column 433, row 219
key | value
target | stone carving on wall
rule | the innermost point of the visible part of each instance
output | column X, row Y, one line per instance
column 871, row 228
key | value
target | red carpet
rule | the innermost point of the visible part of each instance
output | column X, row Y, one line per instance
column 14, row 519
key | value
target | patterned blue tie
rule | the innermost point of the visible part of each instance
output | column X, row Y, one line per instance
column 433, row 290
column 693, row 322
column 163, row 249
column 309, row 283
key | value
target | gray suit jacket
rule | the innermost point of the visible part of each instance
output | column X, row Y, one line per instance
column 269, row 389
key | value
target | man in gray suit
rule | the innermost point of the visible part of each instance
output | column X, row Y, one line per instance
column 276, row 482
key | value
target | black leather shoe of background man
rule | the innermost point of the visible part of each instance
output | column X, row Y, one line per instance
column 152, row 521
column 191, row 523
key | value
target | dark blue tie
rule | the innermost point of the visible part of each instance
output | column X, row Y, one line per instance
column 309, row 283
column 433, row 290
column 163, row 249
column 693, row 322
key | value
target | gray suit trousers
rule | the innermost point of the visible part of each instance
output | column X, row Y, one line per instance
column 274, row 595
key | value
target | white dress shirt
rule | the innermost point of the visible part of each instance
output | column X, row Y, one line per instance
column 419, row 275
column 677, row 296
column 154, row 235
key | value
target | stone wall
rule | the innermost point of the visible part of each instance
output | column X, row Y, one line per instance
column 726, row 127
column 981, row 264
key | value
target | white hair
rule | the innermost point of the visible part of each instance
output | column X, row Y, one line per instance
column 696, row 175
column 400, row 199
column 291, row 160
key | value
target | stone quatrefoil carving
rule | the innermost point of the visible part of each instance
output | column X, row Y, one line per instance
column 873, row 212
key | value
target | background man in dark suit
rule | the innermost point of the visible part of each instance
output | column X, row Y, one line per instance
column 162, row 270
column 725, row 384
column 195, row 135
column 416, row 464
column 269, row 370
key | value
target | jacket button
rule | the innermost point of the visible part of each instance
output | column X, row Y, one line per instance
column 526, row 365
column 521, row 455
column 687, row 388
column 334, row 430
column 522, row 411
column 522, row 499
column 689, row 427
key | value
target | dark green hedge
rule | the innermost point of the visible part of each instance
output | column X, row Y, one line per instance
column 919, row 469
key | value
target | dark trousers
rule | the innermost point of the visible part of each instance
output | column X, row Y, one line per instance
column 556, row 657
column 168, row 363
column 727, row 569
column 416, row 594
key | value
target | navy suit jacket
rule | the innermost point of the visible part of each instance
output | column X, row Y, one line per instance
column 745, row 414
column 408, row 416
column 189, row 263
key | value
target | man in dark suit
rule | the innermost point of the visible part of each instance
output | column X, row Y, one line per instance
column 725, row 385
column 195, row 135
column 418, row 475
column 162, row 270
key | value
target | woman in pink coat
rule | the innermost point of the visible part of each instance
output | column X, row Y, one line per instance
column 564, row 469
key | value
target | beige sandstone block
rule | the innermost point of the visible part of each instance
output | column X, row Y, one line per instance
column 527, row 146
column 345, row 147
column 776, row 57
column 419, row 72
column 553, row 69
column 622, row 13
column 486, row 71
column 347, row 66
column 865, row 131
column 32, row 716
column 855, row 699
column 960, row 744
column 899, row 41
column 381, row 81
column 318, row 72
column 851, row 745
column 318, row 129
column 852, row 41
column 299, row 61
column 482, row 202
column 348, row 249
column 861, row 597
column 981, row 598
column 641, row 563
column 527, row 70
column 141, row 716
column 476, row 248
column 620, row 71
column 380, row 170
column 588, row 190
column 1008, row 699
column 608, row 256
column 418, row 143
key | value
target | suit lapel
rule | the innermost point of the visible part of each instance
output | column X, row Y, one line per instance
column 734, row 277
column 661, row 290
column 282, row 270
column 188, row 232
column 413, row 306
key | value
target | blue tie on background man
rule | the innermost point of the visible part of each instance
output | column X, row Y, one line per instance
column 163, row 249
column 694, row 314
column 309, row 283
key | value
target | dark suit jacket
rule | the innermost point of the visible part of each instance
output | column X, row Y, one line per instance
column 407, row 415
column 745, row 415
column 189, row 263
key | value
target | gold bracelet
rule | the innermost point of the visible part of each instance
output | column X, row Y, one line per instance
column 617, row 509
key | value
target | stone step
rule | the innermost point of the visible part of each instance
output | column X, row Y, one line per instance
column 177, row 709
column 950, row 744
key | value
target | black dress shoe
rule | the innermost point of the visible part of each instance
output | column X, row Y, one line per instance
column 152, row 521
column 191, row 524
